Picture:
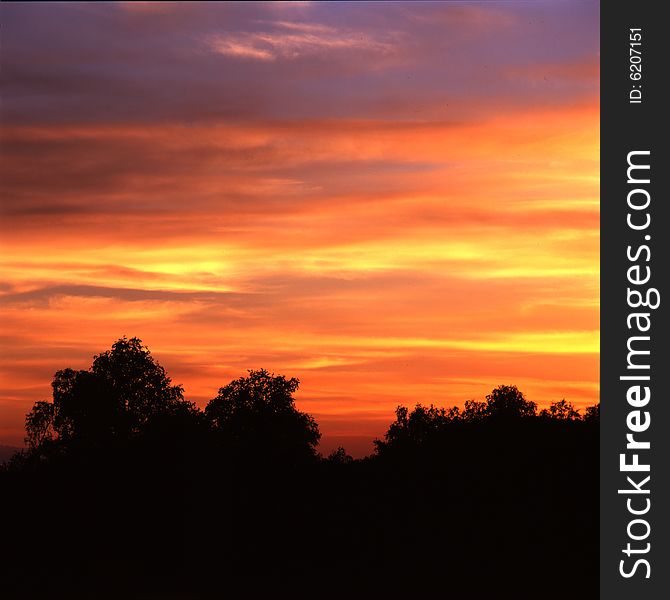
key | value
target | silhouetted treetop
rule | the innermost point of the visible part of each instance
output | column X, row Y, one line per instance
column 40, row 424
column 508, row 402
column 420, row 424
column 561, row 410
column 258, row 411
column 592, row 413
column 474, row 410
column 504, row 402
column 339, row 456
column 137, row 381
column 504, row 406
column 124, row 389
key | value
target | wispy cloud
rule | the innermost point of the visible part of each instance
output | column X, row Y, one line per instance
column 290, row 40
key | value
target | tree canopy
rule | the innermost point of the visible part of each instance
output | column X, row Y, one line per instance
column 257, row 414
column 508, row 402
column 504, row 406
column 122, row 392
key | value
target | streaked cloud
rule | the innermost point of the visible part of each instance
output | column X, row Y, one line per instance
column 287, row 40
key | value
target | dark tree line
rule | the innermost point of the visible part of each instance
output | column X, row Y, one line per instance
column 126, row 397
column 132, row 491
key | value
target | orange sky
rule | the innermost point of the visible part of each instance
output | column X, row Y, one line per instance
column 389, row 229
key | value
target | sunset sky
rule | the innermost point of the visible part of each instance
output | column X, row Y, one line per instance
column 395, row 203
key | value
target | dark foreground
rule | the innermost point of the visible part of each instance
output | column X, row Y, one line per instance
column 128, row 490
column 493, row 510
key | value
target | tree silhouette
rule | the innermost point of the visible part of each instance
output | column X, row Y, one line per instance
column 137, row 382
column 339, row 456
column 124, row 390
column 561, row 410
column 474, row 410
column 418, row 426
column 508, row 402
column 426, row 425
column 592, row 413
column 84, row 407
column 40, row 424
column 256, row 415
